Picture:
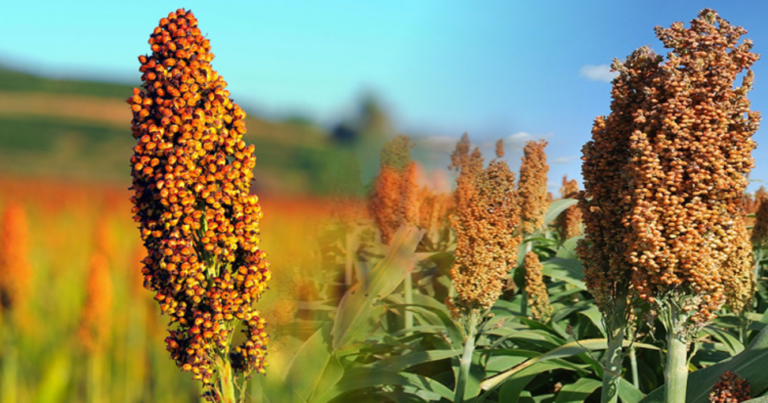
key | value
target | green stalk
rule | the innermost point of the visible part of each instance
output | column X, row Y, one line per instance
column 633, row 363
column 95, row 379
column 465, row 362
column 616, row 324
column 676, row 371
column 9, row 380
column 226, row 385
column 350, row 260
column 408, row 290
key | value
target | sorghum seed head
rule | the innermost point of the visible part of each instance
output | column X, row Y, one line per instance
column 569, row 221
column 535, row 289
column 96, row 318
column 486, row 247
column 532, row 186
column 15, row 269
column 730, row 388
column 192, row 174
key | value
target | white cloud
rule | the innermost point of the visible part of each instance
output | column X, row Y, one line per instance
column 444, row 144
column 563, row 160
column 597, row 73
column 517, row 141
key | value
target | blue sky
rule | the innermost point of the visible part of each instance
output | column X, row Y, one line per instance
column 511, row 69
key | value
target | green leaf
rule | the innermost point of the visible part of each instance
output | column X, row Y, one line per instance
column 568, row 270
column 628, row 392
column 305, row 373
column 763, row 399
column 55, row 378
column 733, row 344
column 363, row 378
column 357, row 315
column 566, row 350
column 556, row 208
column 749, row 364
column 578, row 391
column 331, row 376
column 401, row 362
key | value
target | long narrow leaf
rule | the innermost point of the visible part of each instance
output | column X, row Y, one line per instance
column 357, row 316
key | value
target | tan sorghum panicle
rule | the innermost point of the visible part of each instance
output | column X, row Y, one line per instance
column 569, row 221
column 607, row 197
column 532, row 186
column 535, row 289
column 15, row 268
column 486, row 247
column 739, row 270
column 461, row 153
column 410, row 194
column 500, row 148
column 679, row 186
column 760, row 229
column 385, row 205
column 192, row 174
column 96, row 319
column 395, row 194
column 465, row 183
column 730, row 388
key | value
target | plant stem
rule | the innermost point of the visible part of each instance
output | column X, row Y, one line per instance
column 616, row 324
column 676, row 371
column 465, row 362
column 9, row 363
column 633, row 364
column 408, row 290
column 95, row 378
column 226, row 384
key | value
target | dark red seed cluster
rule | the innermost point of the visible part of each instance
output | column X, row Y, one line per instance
column 730, row 388
column 192, row 174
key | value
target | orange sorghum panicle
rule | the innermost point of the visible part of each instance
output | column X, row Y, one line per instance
column 738, row 269
column 15, row 269
column 486, row 247
column 410, row 194
column 569, row 221
column 760, row 229
column 96, row 319
column 679, row 184
column 469, row 165
column 536, row 290
column 500, row 148
column 607, row 197
column 386, row 202
column 192, row 174
column 532, row 186
column 395, row 197
column 730, row 388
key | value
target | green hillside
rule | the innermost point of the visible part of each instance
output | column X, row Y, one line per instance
column 59, row 128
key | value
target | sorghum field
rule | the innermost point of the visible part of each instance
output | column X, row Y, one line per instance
column 190, row 278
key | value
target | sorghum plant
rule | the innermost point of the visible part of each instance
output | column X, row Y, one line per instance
column 730, row 388
column 680, row 135
column 535, row 289
column 604, row 204
column 15, row 276
column 395, row 195
column 469, row 165
column 486, row 249
column 95, row 323
column 192, row 174
column 532, row 186
column 15, row 269
column 569, row 221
